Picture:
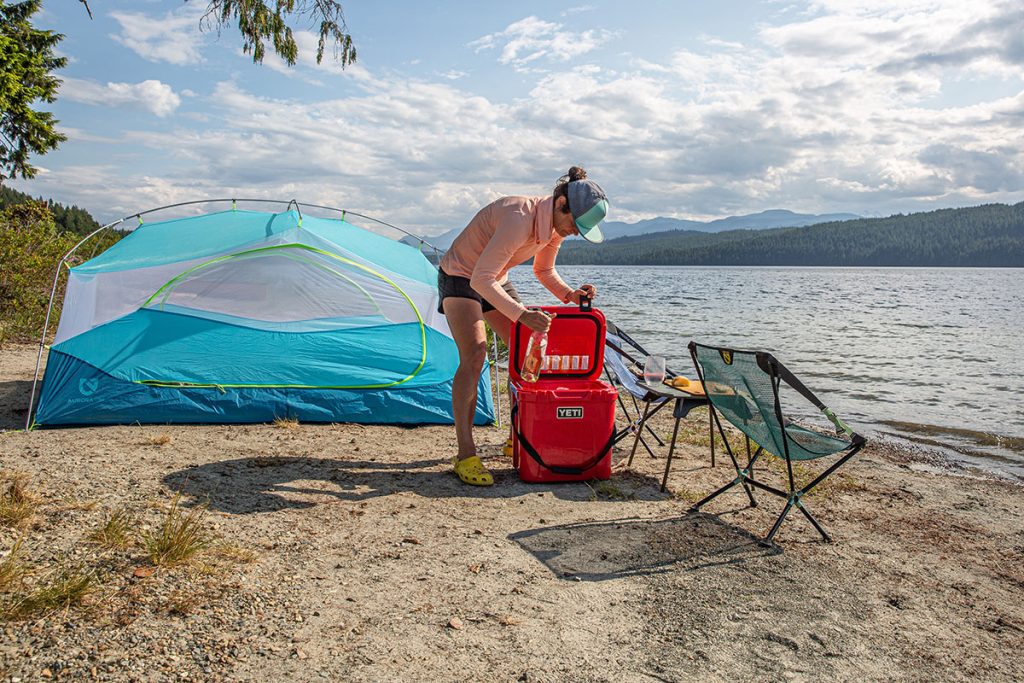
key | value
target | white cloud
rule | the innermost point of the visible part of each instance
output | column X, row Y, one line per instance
column 79, row 135
column 981, row 38
column 842, row 108
column 531, row 39
column 151, row 95
column 174, row 38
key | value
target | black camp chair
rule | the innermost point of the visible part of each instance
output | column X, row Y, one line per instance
column 621, row 355
column 624, row 361
column 743, row 387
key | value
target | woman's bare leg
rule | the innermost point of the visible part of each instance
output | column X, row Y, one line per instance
column 501, row 325
column 466, row 321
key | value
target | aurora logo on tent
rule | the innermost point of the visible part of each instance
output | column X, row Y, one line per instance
column 87, row 386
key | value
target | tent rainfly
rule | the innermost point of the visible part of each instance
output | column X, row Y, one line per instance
column 246, row 316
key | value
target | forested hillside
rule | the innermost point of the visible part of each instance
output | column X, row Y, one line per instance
column 989, row 235
column 34, row 237
column 70, row 219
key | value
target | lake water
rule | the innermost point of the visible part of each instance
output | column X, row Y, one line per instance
column 933, row 355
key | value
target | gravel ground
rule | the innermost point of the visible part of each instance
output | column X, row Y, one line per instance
column 343, row 552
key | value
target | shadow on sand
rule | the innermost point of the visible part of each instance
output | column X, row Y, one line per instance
column 598, row 551
column 265, row 484
column 14, row 397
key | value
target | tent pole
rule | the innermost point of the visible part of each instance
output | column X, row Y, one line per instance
column 234, row 202
column 42, row 343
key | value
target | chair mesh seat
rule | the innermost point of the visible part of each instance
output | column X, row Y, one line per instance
column 805, row 444
column 743, row 393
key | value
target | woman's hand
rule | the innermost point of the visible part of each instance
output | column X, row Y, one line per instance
column 538, row 321
column 587, row 291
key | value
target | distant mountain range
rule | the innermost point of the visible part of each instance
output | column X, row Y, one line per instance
column 991, row 235
column 774, row 218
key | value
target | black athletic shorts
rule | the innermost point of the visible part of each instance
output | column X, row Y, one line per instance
column 459, row 287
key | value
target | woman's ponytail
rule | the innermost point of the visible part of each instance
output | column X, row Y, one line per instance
column 573, row 174
column 562, row 186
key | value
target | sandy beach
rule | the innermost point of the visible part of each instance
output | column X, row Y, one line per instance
column 347, row 552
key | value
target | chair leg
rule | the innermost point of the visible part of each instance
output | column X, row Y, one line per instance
column 647, row 447
column 741, row 477
column 711, row 496
column 639, row 432
column 668, row 461
column 649, row 430
column 656, row 438
column 778, row 523
column 711, row 432
column 813, row 521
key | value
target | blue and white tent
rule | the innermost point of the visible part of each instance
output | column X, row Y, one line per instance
column 246, row 316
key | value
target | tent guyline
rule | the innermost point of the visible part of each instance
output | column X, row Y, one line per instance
column 280, row 314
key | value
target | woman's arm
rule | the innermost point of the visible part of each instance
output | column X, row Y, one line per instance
column 511, row 234
column 544, row 270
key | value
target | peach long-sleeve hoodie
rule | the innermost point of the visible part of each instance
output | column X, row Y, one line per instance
column 502, row 235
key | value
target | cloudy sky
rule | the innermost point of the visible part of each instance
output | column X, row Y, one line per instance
column 687, row 109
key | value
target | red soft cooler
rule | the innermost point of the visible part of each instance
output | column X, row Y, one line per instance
column 563, row 424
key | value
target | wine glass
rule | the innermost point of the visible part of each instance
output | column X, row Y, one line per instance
column 654, row 370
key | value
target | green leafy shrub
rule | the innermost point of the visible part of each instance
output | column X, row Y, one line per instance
column 31, row 246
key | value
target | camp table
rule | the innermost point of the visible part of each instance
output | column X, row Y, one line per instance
column 683, row 402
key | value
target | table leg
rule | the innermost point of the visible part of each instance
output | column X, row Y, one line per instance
column 671, row 449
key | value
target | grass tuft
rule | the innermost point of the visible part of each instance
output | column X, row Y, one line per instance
column 182, row 603
column 13, row 569
column 180, row 537
column 687, row 495
column 158, row 440
column 286, row 423
column 17, row 504
column 234, row 553
column 66, row 587
column 607, row 490
column 116, row 530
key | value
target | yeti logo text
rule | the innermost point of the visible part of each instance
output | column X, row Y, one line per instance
column 87, row 386
column 574, row 413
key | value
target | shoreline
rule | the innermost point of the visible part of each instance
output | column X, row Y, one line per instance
column 349, row 552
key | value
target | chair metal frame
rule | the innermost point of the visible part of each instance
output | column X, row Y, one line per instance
column 745, row 476
column 634, row 425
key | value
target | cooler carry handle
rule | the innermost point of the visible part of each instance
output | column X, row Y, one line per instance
column 569, row 395
column 558, row 469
